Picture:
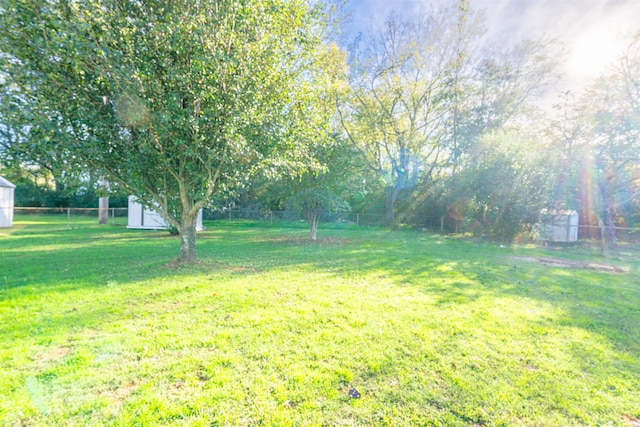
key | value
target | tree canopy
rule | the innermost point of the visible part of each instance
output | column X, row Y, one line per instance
column 425, row 89
column 174, row 101
column 192, row 104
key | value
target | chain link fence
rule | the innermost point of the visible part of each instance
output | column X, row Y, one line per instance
column 351, row 220
column 56, row 218
column 66, row 218
column 292, row 218
column 84, row 217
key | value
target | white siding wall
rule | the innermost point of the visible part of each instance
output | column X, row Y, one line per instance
column 560, row 226
column 6, row 206
column 144, row 218
column 149, row 219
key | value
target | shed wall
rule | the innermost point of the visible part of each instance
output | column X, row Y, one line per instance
column 560, row 226
column 6, row 207
column 150, row 219
column 144, row 218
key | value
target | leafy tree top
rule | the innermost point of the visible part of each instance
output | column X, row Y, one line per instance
column 175, row 101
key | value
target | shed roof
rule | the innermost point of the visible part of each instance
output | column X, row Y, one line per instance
column 558, row 212
column 5, row 183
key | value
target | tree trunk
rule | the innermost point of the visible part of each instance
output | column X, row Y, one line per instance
column 313, row 229
column 58, row 185
column 103, row 212
column 608, row 217
column 313, row 219
column 103, row 204
column 187, row 233
column 610, row 228
column 390, row 198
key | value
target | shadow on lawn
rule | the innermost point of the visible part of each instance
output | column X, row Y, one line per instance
column 67, row 260
column 448, row 270
column 460, row 272
column 603, row 305
column 455, row 275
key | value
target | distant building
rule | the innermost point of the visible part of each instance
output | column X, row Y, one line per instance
column 149, row 219
column 559, row 225
column 6, row 203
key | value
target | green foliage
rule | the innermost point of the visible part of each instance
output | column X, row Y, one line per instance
column 509, row 186
column 317, row 199
column 63, row 193
column 499, row 192
column 425, row 90
column 225, row 103
column 598, row 146
column 396, row 107
column 173, row 101
column 335, row 174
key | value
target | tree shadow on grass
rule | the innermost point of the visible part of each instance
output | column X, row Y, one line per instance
column 85, row 258
column 469, row 282
column 449, row 271
column 596, row 300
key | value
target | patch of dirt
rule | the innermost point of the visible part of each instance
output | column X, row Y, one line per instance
column 175, row 264
column 54, row 355
column 631, row 421
column 120, row 394
column 305, row 241
column 175, row 390
column 175, row 305
column 565, row 263
column 242, row 269
column 215, row 265
column 237, row 269
column 289, row 404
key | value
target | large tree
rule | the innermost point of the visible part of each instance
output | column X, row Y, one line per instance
column 324, row 185
column 424, row 90
column 599, row 137
column 401, row 76
column 173, row 100
column 496, row 92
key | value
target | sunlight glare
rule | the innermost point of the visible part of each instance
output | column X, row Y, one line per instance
column 592, row 54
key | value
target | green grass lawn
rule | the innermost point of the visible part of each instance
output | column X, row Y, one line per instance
column 98, row 327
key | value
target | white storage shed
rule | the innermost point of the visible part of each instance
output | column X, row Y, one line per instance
column 6, row 203
column 150, row 219
column 559, row 225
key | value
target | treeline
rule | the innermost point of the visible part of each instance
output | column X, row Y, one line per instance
column 421, row 120
column 433, row 125
column 39, row 192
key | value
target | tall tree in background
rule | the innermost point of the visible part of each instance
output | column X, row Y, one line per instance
column 174, row 101
column 327, row 188
column 425, row 90
column 599, row 137
column 497, row 92
column 324, row 185
column 400, row 77
column 613, row 107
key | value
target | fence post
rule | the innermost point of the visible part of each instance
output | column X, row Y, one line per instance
column 113, row 216
column 442, row 224
column 357, row 221
column 229, row 214
column 68, row 217
column 271, row 217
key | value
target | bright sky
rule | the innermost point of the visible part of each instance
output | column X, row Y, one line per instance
column 594, row 31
